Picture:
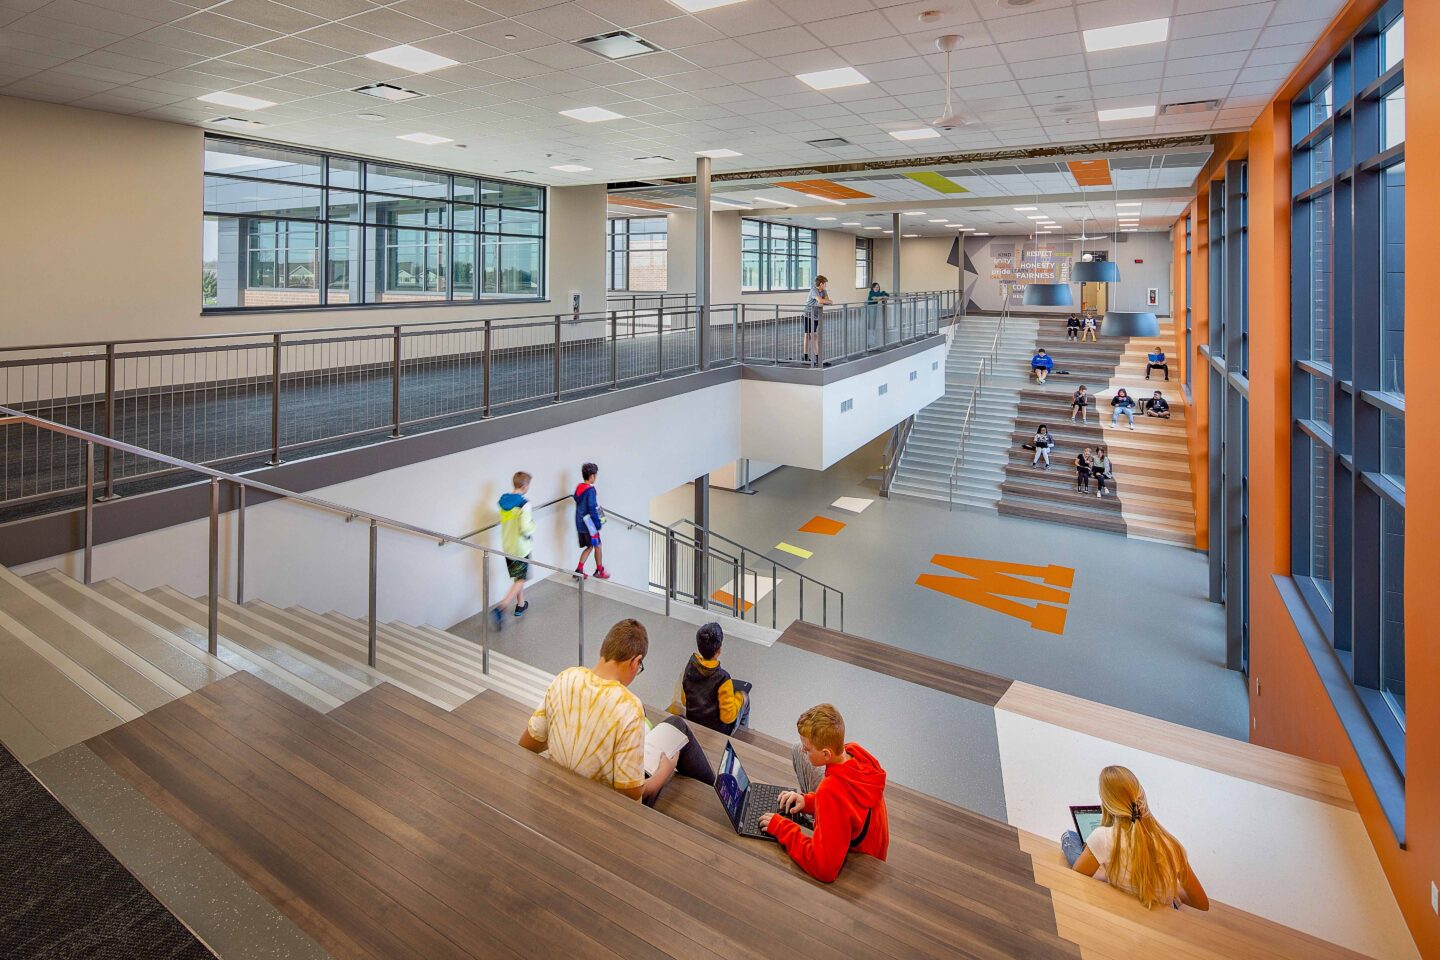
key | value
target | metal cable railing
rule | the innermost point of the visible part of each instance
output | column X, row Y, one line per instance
column 256, row 397
column 686, row 565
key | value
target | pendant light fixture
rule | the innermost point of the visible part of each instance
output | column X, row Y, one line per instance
column 1127, row 323
column 1052, row 294
column 1094, row 271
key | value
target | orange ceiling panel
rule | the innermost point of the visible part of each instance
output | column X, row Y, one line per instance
column 1090, row 173
column 828, row 189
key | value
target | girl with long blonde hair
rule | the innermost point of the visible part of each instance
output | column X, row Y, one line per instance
column 1132, row 851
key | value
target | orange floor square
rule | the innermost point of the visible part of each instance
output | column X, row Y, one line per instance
column 721, row 596
column 822, row 525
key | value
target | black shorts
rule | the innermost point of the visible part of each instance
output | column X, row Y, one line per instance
column 518, row 569
column 812, row 320
column 585, row 540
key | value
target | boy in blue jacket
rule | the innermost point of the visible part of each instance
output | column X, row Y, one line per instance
column 517, row 536
column 588, row 519
column 1041, row 365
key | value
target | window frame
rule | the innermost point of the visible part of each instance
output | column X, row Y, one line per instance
column 778, row 243
column 618, row 254
column 369, row 244
column 864, row 261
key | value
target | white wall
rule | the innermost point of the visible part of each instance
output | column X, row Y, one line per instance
column 122, row 196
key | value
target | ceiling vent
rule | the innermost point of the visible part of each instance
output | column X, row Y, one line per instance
column 620, row 45
column 829, row 143
column 235, row 123
column 1189, row 106
column 388, row 91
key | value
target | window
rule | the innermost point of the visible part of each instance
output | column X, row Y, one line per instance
column 864, row 258
column 1348, row 375
column 292, row 228
column 636, row 255
column 775, row 256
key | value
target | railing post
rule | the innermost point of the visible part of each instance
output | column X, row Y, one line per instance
column 824, row 607
column 614, row 351
column 775, row 336
column 581, row 661
column 110, row 420
column 275, row 402
column 669, row 568
column 371, row 645
column 213, row 627
column 240, row 545
column 660, row 341
column 485, row 611
column 774, row 598
column 739, row 590
column 842, row 613
column 557, row 358
column 485, row 363
column 89, row 555
column 395, row 385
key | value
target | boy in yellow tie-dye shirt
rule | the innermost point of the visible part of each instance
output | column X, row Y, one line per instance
column 590, row 723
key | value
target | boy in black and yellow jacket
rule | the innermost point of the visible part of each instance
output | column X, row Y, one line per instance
column 705, row 693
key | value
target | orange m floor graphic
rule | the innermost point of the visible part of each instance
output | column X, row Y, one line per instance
column 994, row 584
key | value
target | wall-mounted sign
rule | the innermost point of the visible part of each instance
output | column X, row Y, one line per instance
column 1152, row 296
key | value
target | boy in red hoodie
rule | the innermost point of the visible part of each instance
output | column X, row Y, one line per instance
column 848, row 806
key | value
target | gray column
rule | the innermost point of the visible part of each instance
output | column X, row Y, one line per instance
column 702, row 260
column 702, row 538
column 895, row 254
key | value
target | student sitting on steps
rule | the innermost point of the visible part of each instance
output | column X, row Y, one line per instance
column 847, row 802
column 591, row 724
column 1041, row 364
column 1042, row 443
column 1131, row 851
column 705, row 693
column 1157, row 406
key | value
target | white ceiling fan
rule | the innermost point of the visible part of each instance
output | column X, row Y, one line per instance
column 952, row 119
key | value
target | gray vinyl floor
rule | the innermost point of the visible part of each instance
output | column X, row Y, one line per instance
column 1139, row 632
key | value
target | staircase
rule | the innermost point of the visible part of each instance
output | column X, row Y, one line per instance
column 929, row 455
column 76, row 661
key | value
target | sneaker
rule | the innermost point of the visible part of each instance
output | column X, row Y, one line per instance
column 580, row 573
column 601, row 573
column 1100, row 494
column 520, row 610
column 1132, row 426
column 499, row 618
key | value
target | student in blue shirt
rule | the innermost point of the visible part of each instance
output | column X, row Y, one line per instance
column 1156, row 361
column 1041, row 364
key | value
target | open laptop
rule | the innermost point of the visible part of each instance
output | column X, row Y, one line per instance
column 746, row 801
column 1087, row 818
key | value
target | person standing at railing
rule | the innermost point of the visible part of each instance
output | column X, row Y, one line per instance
column 589, row 518
column 517, row 536
column 814, row 310
column 876, row 293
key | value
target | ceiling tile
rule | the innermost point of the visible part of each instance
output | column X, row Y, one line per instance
column 393, row 26
column 753, row 16
column 450, row 14
column 678, row 32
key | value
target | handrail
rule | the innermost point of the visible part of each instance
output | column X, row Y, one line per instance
column 986, row 367
column 894, row 450
column 9, row 417
column 533, row 509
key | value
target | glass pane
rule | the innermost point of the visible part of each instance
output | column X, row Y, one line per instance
column 1320, row 243
column 523, row 222
column 246, row 159
column 1392, row 447
column 1321, row 570
column 1392, row 279
column 1392, row 118
column 512, row 266
column 467, row 189
column 463, row 270
column 223, row 195
column 407, row 181
column 220, row 262
column 344, row 172
column 1392, row 44
column 405, row 213
column 1392, row 608
column 1317, row 393
column 1320, row 107
column 408, row 265
column 282, row 263
column 749, row 271
column 342, row 266
column 780, row 278
column 512, row 195
column 465, row 217
column 1322, row 161
column 344, row 205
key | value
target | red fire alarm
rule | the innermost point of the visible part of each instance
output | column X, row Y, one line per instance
column 1139, row 261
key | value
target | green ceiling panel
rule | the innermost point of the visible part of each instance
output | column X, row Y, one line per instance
column 936, row 182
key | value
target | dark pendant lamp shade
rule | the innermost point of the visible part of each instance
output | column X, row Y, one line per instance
column 1096, row 271
column 1127, row 323
column 1048, row 295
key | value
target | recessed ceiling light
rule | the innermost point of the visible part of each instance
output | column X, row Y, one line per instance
column 816, row 196
column 368, row 116
column 979, row 233
column 617, row 46
column 1130, row 230
column 429, row 139
column 850, row 223
column 411, row 58
column 1037, row 216
column 1128, row 203
column 655, row 159
column 570, row 168
column 832, row 79
column 234, row 123
column 824, row 218
column 889, row 231
column 695, row 6
column 388, row 91
column 237, row 100
column 592, row 114
column 720, row 154
column 954, row 225
column 914, row 213
column 875, row 228
column 1022, row 209
column 909, row 234
column 777, row 203
column 730, row 203
column 1127, row 113
column 919, row 133
column 941, row 220
column 1127, row 35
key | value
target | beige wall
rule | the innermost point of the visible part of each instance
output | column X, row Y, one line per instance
column 103, row 227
